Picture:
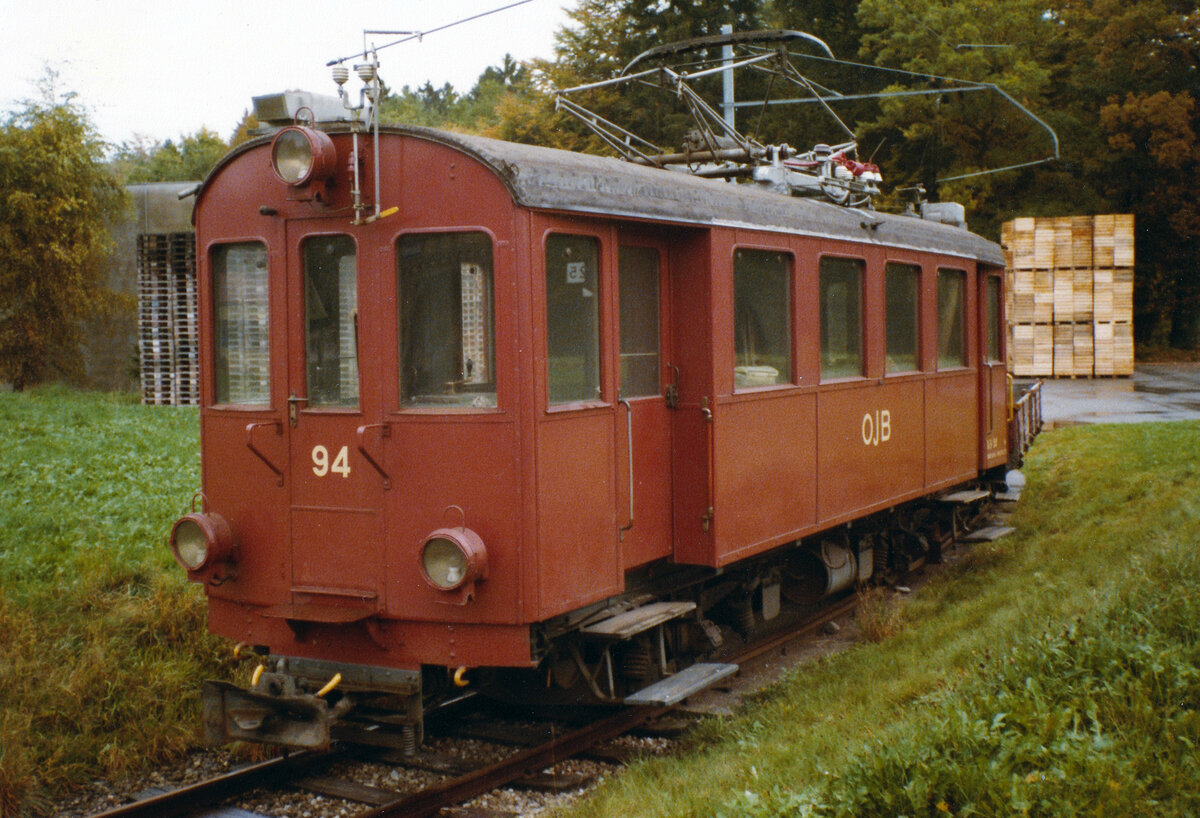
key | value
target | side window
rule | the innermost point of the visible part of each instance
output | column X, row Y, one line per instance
column 902, row 283
column 447, row 332
column 762, row 325
column 331, row 321
column 841, row 317
column 993, row 318
column 638, row 293
column 242, row 317
column 573, row 318
column 951, row 293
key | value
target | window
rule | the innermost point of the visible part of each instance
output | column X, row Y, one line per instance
column 902, row 283
column 242, row 318
column 447, row 331
column 762, row 324
column 952, row 350
column 993, row 318
column 638, row 285
column 331, row 321
column 573, row 318
column 841, row 317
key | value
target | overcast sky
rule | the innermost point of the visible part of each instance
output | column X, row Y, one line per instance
column 167, row 68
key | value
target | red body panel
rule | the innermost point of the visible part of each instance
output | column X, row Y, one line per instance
column 721, row 475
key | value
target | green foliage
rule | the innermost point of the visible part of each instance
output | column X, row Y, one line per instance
column 104, row 642
column 56, row 198
column 1049, row 673
column 196, row 154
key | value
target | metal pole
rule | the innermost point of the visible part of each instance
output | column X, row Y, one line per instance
column 727, row 76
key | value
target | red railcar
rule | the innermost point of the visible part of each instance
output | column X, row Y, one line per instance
column 541, row 418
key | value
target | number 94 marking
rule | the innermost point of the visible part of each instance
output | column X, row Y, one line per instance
column 322, row 466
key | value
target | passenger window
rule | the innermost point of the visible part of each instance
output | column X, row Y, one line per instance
column 638, row 285
column 241, row 316
column 573, row 318
column 447, row 330
column 952, row 351
column 762, row 324
column 841, row 317
column 331, row 321
column 993, row 318
column 902, row 317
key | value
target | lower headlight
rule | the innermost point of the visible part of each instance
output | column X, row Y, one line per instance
column 453, row 557
column 200, row 540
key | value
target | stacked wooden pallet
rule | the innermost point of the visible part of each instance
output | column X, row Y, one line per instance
column 1070, row 295
column 167, row 319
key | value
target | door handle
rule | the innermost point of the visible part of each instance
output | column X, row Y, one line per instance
column 629, row 448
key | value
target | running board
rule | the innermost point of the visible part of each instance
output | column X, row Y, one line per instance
column 675, row 689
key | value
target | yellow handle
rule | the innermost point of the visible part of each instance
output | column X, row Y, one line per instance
column 258, row 672
column 460, row 678
column 330, row 685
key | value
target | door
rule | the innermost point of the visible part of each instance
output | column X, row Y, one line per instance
column 334, row 494
column 643, row 422
column 993, row 387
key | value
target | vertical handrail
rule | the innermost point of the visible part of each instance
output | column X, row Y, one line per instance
column 629, row 447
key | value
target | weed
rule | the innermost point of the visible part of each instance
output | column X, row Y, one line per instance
column 878, row 616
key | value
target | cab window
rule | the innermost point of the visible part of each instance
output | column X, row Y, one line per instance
column 762, row 326
column 572, row 319
column 241, row 317
column 331, row 321
column 447, row 329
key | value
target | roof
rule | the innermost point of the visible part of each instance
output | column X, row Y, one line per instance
column 551, row 179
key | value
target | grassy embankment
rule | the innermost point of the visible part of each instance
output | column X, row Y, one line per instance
column 1055, row 672
column 102, row 642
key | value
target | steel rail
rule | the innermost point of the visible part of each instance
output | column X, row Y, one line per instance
column 429, row 801
column 195, row 797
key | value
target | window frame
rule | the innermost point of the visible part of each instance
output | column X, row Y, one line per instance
column 821, row 323
column 213, row 327
column 600, row 314
column 787, row 310
column 310, row 404
column 918, row 273
column 962, row 313
column 406, row 406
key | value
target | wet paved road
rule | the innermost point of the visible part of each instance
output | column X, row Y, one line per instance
column 1155, row 392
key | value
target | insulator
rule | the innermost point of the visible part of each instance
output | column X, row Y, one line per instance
column 341, row 74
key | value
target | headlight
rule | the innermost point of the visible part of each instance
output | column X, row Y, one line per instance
column 200, row 540
column 453, row 557
column 300, row 155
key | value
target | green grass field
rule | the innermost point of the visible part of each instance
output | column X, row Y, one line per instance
column 102, row 641
column 1055, row 672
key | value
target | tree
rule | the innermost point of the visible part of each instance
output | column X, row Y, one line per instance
column 192, row 158
column 56, row 195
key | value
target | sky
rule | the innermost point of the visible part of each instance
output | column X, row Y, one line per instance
column 159, row 70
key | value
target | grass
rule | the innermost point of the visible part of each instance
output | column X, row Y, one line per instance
column 103, row 642
column 1050, row 673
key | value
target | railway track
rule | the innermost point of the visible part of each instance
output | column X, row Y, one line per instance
column 310, row 770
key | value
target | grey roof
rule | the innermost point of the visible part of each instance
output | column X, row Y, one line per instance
column 550, row 179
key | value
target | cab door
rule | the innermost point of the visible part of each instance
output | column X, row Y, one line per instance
column 335, row 495
column 993, row 374
column 644, row 423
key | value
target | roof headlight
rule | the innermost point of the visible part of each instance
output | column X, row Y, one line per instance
column 300, row 155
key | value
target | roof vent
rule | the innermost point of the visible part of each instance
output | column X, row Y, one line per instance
column 282, row 108
column 951, row 213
